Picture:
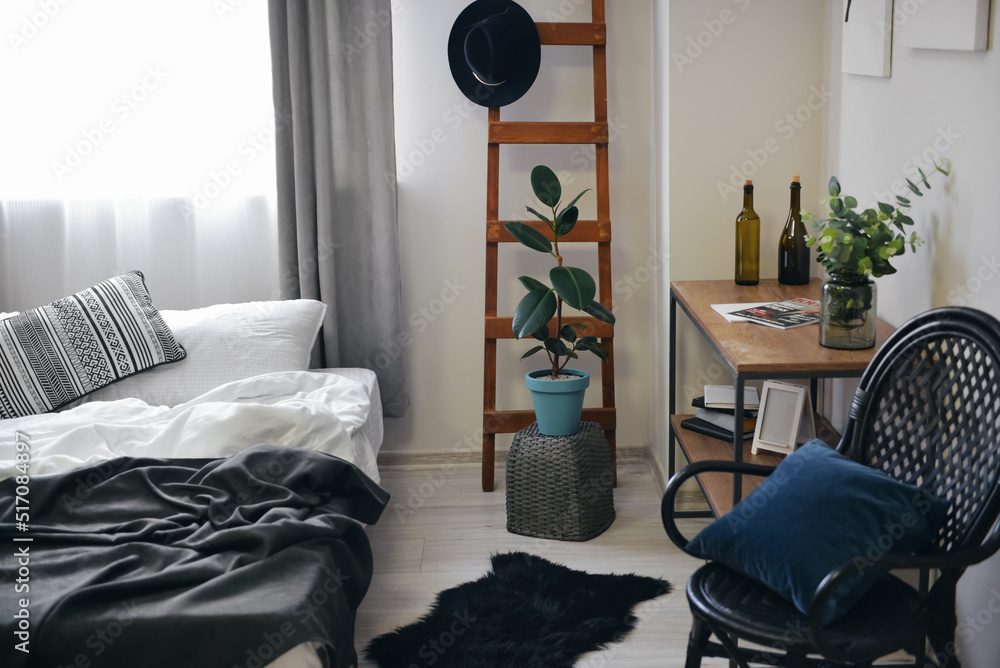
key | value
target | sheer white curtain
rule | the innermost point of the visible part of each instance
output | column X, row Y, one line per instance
column 137, row 135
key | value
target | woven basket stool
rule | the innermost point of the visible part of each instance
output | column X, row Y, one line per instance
column 560, row 486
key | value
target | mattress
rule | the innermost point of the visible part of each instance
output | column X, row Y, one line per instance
column 370, row 425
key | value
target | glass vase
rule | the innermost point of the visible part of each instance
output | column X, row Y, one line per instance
column 847, row 314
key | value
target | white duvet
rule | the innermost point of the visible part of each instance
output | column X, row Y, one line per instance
column 300, row 409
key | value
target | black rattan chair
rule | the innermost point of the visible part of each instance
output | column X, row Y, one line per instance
column 927, row 412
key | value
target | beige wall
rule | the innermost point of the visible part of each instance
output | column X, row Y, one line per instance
column 948, row 102
column 747, row 99
column 441, row 154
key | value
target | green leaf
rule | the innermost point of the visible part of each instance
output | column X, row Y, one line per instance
column 904, row 219
column 534, row 350
column 837, row 206
column 924, row 178
column 865, row 265
column 913, row 186
column 850, row 202
column 834, row 186
column 545, row 183
column 541, row 333
column 573, row 285
column 532, row 284
column 600, row 351
column 534, row 312
column 540, row 217
column 598, row 310
column 567, row 221
column 887, row 209
column 556, row 346
column 530, row 237
column 902, row 200
column 568, row 333
column 575, row 200
column 577, row 325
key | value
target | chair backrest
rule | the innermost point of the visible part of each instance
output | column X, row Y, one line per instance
column 927, row 412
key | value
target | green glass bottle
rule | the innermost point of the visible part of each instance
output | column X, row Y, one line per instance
column 793, row 254
column 747, row 240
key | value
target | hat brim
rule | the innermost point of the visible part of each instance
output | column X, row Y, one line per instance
column 529, row 52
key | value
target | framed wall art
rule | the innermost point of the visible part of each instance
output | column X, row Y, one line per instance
column 867, row 38
column 956, row 25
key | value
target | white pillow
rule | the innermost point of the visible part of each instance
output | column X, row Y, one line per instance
column 225, row 343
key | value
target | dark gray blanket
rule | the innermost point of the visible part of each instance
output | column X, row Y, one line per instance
column 182, row 563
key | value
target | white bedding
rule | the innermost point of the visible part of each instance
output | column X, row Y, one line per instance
column 320, row 411
column 336, row 411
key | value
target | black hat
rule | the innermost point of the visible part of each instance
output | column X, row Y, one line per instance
column 494, row 52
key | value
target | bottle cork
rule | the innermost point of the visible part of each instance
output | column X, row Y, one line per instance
column 795, row 179
column 749, row 182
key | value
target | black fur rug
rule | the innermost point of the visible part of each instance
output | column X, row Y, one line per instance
column 526, row 612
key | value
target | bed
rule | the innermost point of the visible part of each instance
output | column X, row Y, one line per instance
column 242, row 425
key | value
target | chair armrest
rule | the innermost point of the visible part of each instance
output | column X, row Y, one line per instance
column 885, row 562
column 674, row 485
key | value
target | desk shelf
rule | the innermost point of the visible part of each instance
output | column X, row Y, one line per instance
column 718, row 487
column 752, row 352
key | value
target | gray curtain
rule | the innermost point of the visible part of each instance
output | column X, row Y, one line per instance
column 337, row 225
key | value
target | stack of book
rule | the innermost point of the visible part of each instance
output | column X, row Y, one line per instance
column 715, row 412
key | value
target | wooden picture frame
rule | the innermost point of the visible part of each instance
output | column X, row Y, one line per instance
column 785, row 418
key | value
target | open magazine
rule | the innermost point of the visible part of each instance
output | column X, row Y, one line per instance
column 783, row 315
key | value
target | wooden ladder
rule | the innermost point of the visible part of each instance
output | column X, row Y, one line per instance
column 593, row 231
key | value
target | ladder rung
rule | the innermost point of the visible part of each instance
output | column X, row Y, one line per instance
column 548, row 133
column 569, row 34
column 498, row 327
column 584, row 231
column 509, row 422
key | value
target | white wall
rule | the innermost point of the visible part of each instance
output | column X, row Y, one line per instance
column 736, row 69
column 441, row 160
column 949, row 102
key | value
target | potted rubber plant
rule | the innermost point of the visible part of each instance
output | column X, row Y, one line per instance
column 557, row 391
column 854, row 247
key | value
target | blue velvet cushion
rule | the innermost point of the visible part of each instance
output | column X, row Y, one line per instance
column 817, row 510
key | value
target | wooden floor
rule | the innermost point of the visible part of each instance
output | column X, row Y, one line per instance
column 440, row 530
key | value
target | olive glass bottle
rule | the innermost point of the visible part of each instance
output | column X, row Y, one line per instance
column 748, row 240
column 793, row 254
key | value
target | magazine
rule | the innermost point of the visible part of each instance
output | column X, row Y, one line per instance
column 783, row 315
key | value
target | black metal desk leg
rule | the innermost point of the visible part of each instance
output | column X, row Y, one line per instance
column 738, row 438
column 672, row 388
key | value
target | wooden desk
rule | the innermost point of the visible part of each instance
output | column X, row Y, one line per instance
column 751, row 351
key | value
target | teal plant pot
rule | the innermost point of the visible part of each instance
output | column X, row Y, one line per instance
column 558, row 403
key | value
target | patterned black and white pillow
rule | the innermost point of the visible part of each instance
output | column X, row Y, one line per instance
column 53, row 355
